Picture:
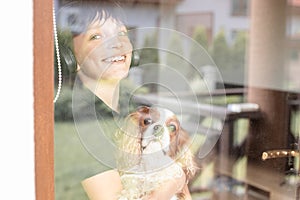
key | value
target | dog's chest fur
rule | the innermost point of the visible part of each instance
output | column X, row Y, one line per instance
column 141, row 184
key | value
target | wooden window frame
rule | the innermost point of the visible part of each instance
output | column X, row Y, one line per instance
column 43, row 99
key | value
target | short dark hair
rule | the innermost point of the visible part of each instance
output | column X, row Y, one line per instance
column 76, row 16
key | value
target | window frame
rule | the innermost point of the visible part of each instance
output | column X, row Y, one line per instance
column 43, row 99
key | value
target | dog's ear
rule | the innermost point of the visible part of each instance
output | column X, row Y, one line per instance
column 179, row 150
column 181, row 139
column 143, row 110
column 128, row 140
column 178, row 140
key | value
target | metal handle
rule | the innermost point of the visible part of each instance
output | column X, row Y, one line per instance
column 279, row 154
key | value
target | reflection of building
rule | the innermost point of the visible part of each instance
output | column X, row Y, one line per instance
column 135, row 14
column 182, row 15
column 229, row 15
column 233, row 16
column 141, row 13
column 293, row 32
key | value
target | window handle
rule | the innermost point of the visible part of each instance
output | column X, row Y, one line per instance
column 279, row 154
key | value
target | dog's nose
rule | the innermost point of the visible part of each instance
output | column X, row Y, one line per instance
column 158, row 129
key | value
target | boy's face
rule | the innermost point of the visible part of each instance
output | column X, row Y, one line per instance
column 104, row 50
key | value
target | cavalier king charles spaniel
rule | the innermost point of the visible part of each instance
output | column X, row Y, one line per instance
column 154, row 149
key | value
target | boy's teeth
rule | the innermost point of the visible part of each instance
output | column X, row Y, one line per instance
column 115, row 59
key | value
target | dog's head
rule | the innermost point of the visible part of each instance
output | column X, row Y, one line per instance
column 160, row 130
column 154, row 130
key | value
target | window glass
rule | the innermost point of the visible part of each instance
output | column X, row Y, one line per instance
column 230, row 76
column 239, row 7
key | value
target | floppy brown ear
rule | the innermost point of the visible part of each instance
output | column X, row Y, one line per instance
column 179, row 139
column 183, row 155
column 128, row 139
column 132, row 129
column 177, row 142
column 182, row 139
column 142, row 110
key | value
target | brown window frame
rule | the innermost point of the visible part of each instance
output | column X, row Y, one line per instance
column 43, row 99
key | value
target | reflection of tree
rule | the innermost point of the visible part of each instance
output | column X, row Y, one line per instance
column 200, row 36
column 199, row 57
column 221, row 52
column 229, row 58
column 175, row 60
column 198, row 52
column 239, row 50
column 175, row 56
column 148, row 56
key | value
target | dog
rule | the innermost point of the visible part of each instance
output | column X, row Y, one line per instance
column 154, row 150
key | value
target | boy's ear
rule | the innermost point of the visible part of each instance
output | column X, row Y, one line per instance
column 135, row 58
column 68, row 59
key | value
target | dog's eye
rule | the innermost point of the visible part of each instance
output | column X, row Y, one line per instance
column 172, row 128
column 147, row 121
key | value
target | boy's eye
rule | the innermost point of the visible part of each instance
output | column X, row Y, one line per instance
column 95, row 37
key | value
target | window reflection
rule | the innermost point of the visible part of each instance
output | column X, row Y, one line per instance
column 246, row 108
column 239, row 7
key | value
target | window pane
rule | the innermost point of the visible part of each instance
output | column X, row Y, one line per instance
column 229, row 76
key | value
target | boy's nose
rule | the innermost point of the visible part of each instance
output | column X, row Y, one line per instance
column 116, row 45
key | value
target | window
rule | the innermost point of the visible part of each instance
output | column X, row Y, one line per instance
column 239, row 7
